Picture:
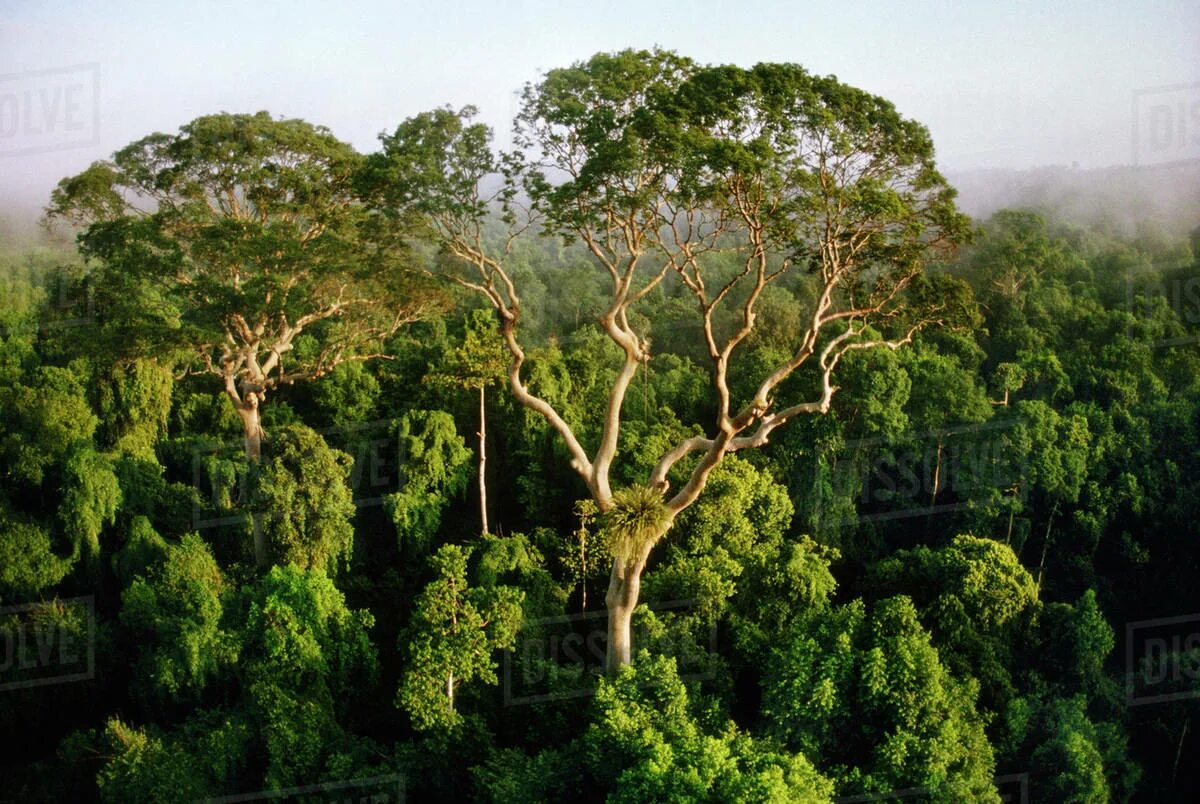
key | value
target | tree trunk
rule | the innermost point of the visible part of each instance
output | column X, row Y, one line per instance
column 625, row 581
column 1011, row 512
column 937, row 476
column 622, row 598
column 624, row 586
column 252, row 435
column 1179, row 749
column 252, row 430
column 483, row 517
column 1045, row 548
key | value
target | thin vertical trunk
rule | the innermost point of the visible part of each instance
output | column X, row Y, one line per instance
column 583, row 569
column 1179, row 749
column 1045, row 548
column 937, row 476
column 483, row 518
column 454, row 629
column 1011, row 512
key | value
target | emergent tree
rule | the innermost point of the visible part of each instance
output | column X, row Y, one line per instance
column 720, row 178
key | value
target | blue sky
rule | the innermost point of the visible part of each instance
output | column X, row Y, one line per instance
column 1013, row 84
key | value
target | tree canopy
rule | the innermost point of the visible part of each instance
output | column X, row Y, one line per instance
column 886, row 503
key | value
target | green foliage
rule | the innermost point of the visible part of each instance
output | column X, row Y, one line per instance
column 28, row 563
column 867, row 696
column 349, row 394
column 977, row 601
column 144, row 768
column 305, row 658
column 431, row 163
column 134, row 402
column 981, row 578
column 146, row 492
column 479, row 361
column 434, row 467
column 20, row 301
column 789, row 585
column 647, row 742
column 516, row 562
column 42, row 421
column 302, row 501
column 945, row 388
column 257, row 262
column 203, row 413
column 1057, row 448
column 585, row 556
column 1070, row 759
column 728, row 554
column 877, row 386
column 1075, row 640
column 146, row 765
column 450, row 640
column 90, row 499
column 902, row 637
column 173, row 609
column 144, row 548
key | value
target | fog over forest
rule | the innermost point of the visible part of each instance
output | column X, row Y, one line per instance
column 1117, row 198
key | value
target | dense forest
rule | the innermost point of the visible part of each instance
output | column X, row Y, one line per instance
column 696, row 449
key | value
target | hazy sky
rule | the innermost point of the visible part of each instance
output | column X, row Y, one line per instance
column 1005, row 84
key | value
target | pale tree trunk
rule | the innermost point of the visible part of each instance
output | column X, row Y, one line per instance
column 450, row 675
column 483, row 517
column 937, row 476
column 252, row 431
column 252, row 434
column 748, row 428
column 622, row 598
column 624, row 586
column 625, row 582
column 618, row 242
column 1008, row 536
